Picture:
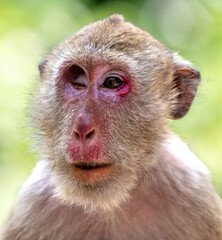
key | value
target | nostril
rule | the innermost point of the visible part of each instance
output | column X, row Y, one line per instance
column 90, row 134
column 77, row 136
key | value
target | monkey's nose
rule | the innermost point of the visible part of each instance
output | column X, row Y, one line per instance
column 84, row 130
column 83, row 136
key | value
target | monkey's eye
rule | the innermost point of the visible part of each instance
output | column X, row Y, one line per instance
column 78, row 85
column 77, row 77
column 112, row 82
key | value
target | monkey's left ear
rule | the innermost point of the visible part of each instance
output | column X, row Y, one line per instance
column 185, row 81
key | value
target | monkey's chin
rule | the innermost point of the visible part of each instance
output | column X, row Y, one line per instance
column 91, row 174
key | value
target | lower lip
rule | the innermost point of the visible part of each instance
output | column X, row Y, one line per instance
column 93, row 175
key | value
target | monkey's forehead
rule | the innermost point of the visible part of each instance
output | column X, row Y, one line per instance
column 112, row 41
column 113, row 33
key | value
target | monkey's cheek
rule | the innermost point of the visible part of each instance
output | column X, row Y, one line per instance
column 92, row 176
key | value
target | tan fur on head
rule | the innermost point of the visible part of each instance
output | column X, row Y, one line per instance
column 116, row 18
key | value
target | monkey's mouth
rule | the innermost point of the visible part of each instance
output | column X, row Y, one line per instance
column 91, row 172
column 90, row 165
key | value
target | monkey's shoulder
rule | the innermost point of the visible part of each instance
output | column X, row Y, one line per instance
column 183, row 189
column 181, row 171
column 180, row 158
column 37, row 213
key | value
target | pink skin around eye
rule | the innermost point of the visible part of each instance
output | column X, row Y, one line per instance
column 64, row 83
column 71, row 94
column 63, row 78
column 125, row 88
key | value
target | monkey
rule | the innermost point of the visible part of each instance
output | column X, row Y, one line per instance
column 110, row 167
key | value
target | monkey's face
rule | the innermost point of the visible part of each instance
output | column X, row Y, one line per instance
column 101, row 110
column 101, row 143
column 99, row 130
column 97, row 135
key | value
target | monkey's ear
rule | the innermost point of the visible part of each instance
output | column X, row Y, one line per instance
column 185, row 81
column 42, row 66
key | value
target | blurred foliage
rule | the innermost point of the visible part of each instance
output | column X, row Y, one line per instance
column 28, row 29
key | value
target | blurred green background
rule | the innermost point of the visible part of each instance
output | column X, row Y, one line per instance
column 29, row 29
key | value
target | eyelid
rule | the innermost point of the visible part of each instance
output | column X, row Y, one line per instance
column 81, row 79
column 113, row 75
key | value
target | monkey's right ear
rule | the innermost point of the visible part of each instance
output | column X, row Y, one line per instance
column 42, row 66
column 185, row 82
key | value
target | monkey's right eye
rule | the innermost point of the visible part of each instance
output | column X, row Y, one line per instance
column 78, row 85
column 77, row 77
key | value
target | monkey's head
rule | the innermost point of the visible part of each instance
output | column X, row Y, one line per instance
column 102, row 107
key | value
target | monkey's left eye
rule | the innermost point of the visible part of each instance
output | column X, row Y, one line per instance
column 112, row 82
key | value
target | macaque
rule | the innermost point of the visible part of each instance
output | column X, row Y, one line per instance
column 110, row 168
